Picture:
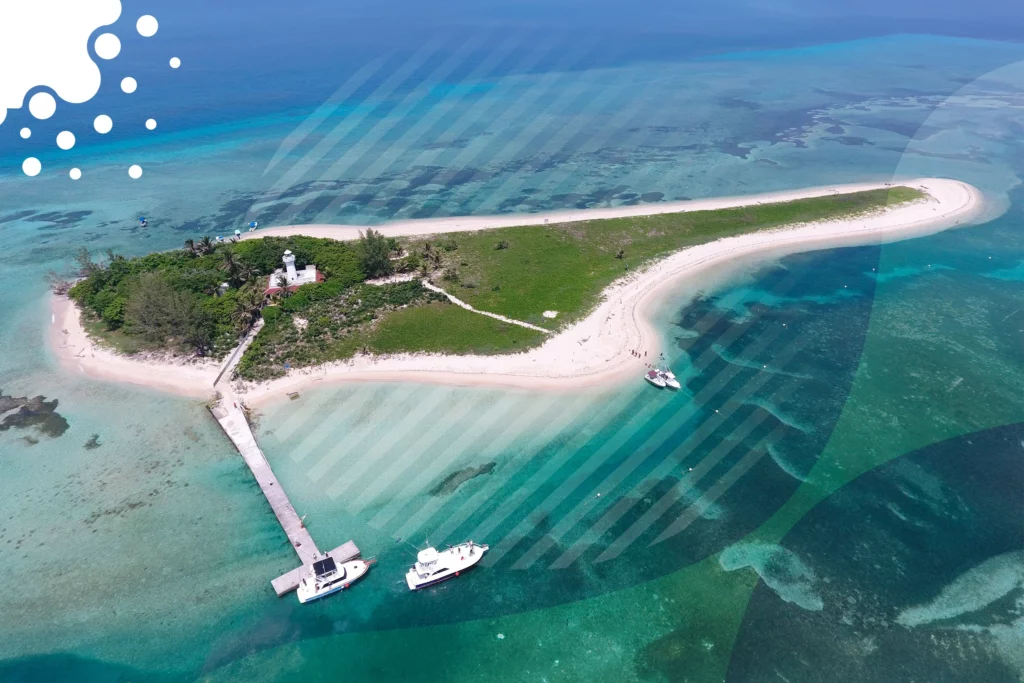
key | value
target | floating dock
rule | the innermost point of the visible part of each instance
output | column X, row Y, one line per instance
column 232, row 421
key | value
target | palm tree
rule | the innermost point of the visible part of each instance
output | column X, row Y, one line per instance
column 190, row 246
column 206, row 246
column 247, row 307
column 230, row 265
column 282, row 282
column 246, row 271
column 432, row 255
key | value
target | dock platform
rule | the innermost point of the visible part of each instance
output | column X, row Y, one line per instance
column 286, row 583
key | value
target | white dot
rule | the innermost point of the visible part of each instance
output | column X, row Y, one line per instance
column 65, row 139
column 128, row 84
column 107, row 46
column 102, row 124
column 31, row 166
column 26, row 133
column 135, row 171
column 42, row 105
column 175, row 62
column 147, row 25
column 75, row 173
column 150, row 124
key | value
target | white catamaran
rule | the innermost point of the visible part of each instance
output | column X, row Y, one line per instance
column 327, row 576
column 433, row 567
column 669, row 377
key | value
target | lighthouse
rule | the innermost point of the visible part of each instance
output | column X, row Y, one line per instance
column 289, row 265
column 294, row 278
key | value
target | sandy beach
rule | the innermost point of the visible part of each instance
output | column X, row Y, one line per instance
column 596, row 350
column 76, row 352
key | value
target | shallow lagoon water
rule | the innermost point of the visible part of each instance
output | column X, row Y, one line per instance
column 170, row 547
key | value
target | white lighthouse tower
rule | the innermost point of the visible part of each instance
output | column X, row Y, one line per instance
column 289, row 265
column 293, row 278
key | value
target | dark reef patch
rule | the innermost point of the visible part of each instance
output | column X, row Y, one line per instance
column 32, row 413
column 18, row 215
column 453, row 481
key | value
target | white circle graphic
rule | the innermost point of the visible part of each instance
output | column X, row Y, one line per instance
column 26, row 133
column 129, row 84
column 102, row 124
column 42, row 105
column 147, row 26
column 150, row 124
column 31, row 166
column 135, row 171
column 65, row 139
column 75, row 173
column 175, row 62
column 108, row 46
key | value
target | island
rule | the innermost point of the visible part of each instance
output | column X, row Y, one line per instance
column 539, row 301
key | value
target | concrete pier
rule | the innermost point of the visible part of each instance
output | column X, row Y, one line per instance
column 233, row 421
column 230, row 416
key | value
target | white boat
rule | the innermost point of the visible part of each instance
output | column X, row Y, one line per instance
column 670, row 378
column 327, row 576
column 433, row 567
column 655, row 378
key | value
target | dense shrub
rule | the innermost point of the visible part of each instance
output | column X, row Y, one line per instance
column 170, row 299
column 336, row 260
column 376, row 254
column 334, row 324
column 271, row 314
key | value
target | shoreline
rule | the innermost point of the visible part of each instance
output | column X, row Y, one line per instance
column 592, row 351
column 452, row 224
column 76, row 352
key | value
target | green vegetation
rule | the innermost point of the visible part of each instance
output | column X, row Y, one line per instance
column 521, row 272
column 320, row 324
column 171, row 300
column 377, row 254
column 440, row 327
column 174, row 300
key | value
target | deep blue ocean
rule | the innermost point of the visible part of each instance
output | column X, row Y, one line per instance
column 835, row 495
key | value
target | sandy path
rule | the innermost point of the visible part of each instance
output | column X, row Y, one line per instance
column 462, row 304
column 595, row 350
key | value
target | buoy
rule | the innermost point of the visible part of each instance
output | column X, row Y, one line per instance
column 456, row 573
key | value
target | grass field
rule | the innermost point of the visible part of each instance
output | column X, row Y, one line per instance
column 563, row 267
column 441, row 327
column 519, row 272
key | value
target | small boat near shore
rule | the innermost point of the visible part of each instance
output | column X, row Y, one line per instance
column 670, row 379
column 327, row 576
column 432, row 567
column 655, row 378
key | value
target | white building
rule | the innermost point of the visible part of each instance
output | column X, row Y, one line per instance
column 294, row 278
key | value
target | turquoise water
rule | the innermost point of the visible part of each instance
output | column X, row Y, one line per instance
column 813, row 384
